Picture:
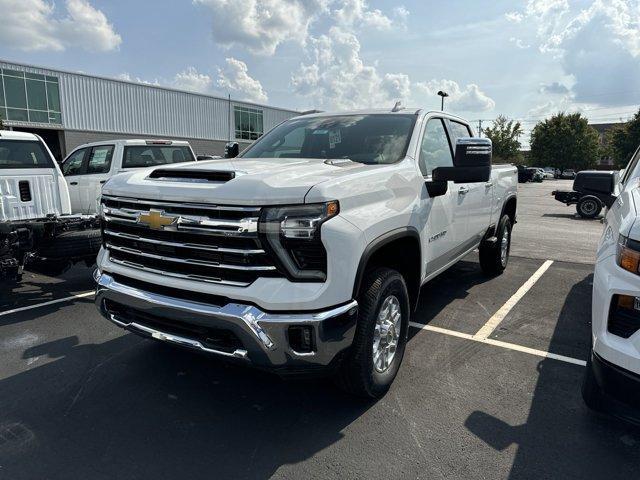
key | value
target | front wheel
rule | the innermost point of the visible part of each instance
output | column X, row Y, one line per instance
column 381, row 335
column 495, row 256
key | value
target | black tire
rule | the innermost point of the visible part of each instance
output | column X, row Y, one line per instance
column 589, row 207
column 72, row 244
column 491, row 254
column 357, row 374
column 591, row 393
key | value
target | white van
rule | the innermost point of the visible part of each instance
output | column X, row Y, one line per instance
column 89, row 166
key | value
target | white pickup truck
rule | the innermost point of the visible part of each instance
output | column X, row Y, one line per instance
column 307, row 252
column 36, row 225
column 89, row 166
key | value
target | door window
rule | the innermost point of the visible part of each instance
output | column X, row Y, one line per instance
column 435, row 150
column 74, row 164
column 458, row 130
column 100, row 159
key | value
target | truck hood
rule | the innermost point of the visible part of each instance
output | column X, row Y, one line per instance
column 256, row 181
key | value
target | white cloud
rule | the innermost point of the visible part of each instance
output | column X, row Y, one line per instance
column 554, row 88
column 337, row 78
column 519, row 43
column 468, row 98
column 192, row 81
column 356, row 13
column 262, row 25
column 128, row 78
column 598, row 46
column 34, row 25
column 515, row 17
column 235, row 77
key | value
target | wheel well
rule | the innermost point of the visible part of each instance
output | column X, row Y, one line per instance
column 401, row 254
column 510, row 209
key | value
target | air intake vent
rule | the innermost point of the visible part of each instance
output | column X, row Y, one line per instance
column 192, row 175
column 25, row 191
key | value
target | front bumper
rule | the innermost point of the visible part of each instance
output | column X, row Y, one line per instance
column 262, row 337
column 617, row 383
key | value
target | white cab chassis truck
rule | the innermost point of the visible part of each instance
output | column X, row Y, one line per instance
column 36, row 225
column 307, row 252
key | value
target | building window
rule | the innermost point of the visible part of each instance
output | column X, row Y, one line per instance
column 248, row 123
column 29, row 97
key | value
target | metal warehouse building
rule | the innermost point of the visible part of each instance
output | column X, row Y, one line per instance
column 68, row 109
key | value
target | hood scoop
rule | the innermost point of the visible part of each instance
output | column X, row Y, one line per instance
column 192, row 176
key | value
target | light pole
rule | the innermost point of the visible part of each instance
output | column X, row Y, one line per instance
column 442, row 94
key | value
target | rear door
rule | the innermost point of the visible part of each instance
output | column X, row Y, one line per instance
column 445, row 229
column 73, row 168
column 474, row 198
column 99, row 166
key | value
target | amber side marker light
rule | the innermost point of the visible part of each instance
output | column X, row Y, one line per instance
column 629, row 254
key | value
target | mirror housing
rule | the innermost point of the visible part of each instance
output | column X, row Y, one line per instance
column 231, row 150
column 471, row 164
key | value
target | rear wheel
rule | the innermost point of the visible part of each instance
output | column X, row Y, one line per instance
column 495, row 256
column 589, row 207
column 381, row 335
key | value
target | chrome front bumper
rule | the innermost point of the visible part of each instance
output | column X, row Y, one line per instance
column 264, row 335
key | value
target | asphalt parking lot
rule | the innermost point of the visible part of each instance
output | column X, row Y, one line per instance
column 484, row 391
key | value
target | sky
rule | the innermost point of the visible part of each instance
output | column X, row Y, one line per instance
column 524, row 59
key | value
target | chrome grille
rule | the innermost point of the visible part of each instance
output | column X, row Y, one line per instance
column 202, row 242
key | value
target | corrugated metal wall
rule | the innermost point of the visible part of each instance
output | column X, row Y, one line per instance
column 105, row 105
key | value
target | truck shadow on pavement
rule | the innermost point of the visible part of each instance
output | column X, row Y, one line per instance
column 564, row 439
column 132, row 408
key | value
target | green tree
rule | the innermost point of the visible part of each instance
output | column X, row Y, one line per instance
column 565, row 141
column 504, row 135
column 622, row 140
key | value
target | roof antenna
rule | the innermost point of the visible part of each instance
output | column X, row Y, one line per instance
column 397, row 107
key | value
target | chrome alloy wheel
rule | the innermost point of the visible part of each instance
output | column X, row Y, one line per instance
column 386, row 334
column 504, row 247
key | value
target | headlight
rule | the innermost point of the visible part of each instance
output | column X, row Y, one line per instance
column 629, row 254
column 292, row 235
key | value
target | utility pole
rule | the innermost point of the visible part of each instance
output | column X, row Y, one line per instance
column 480, row 128
column 229, row 117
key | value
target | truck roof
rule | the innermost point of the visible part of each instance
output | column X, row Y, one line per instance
column 381, row 111
column 13, row 135
column 135, row 141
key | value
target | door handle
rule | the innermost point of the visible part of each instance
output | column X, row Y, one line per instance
column 463, row 190
column 102, row 182
column 488, row 185
column 73, row 183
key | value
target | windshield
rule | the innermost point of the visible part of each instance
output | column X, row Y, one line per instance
column 152, row 155
column 23, row 154
column 371, row 139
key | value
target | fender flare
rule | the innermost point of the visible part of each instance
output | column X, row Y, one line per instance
column 377, row 244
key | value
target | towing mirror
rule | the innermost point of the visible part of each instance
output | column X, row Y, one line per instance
column 231, row 150
column 471, row 164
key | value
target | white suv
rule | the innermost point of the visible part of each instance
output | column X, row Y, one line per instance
column 89, row 166
column 612, row 380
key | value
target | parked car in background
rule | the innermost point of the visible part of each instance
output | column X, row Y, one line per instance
column 36, row 225
column 524, row 174
column 536, row 174
column 568, row 174
column 89, row 166
column 612, row 376
column 306, row 253
column 550, row 172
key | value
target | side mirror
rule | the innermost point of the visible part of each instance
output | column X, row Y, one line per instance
column 231, row 150
column 471, row 164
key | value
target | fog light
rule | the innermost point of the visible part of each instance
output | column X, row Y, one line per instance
column 624, row 315
column 301, row 338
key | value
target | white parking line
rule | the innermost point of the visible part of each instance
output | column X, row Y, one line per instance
column 498, row 343
column 488, row 328
column 44, row 304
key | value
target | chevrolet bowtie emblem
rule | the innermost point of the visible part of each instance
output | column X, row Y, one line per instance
column 156, row 219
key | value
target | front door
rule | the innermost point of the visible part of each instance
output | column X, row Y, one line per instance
column 445, row 236
column 98, row 172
